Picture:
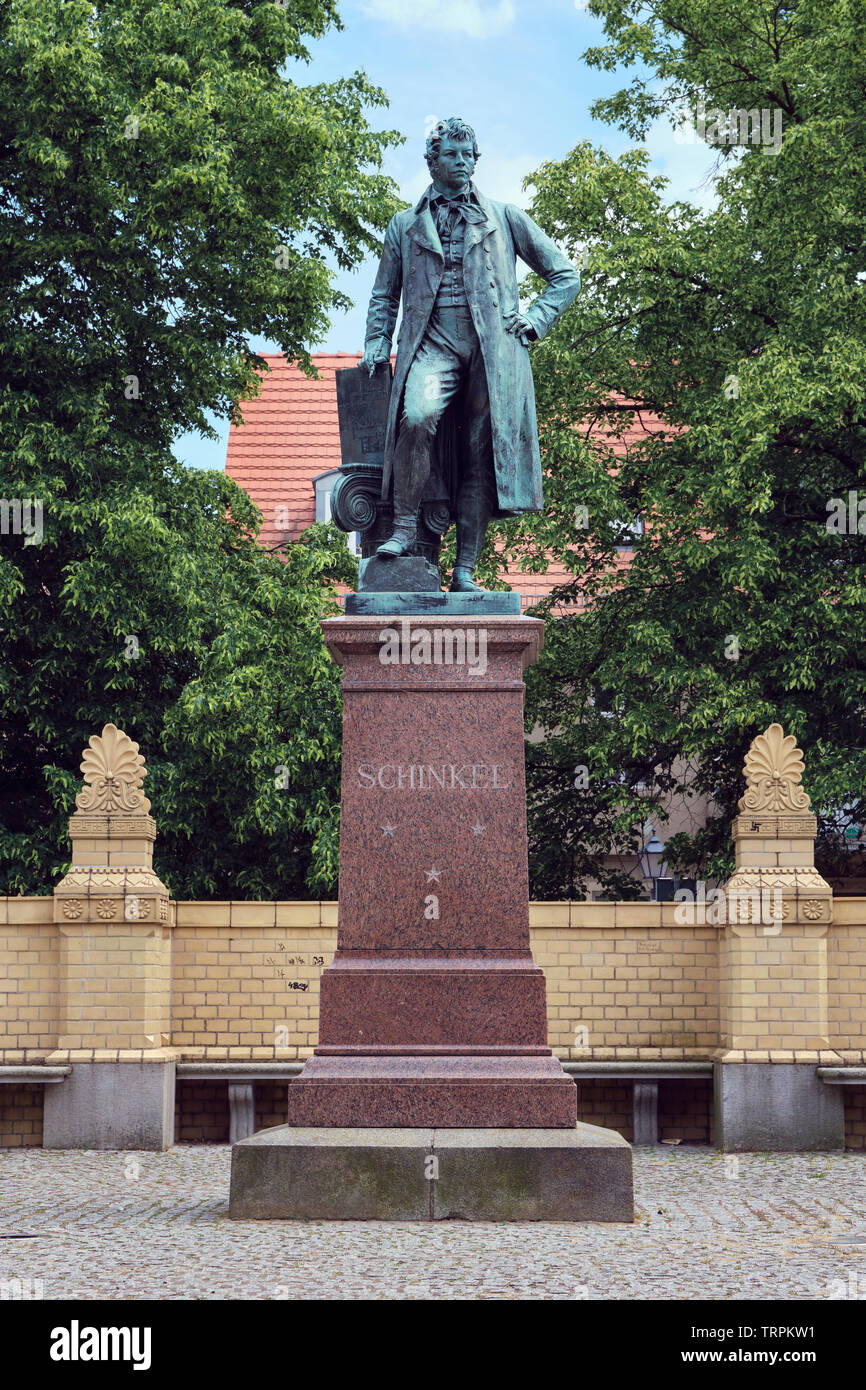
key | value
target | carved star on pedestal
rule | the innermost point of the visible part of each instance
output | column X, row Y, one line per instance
column 478, row 828
column 434, row 875
column 388, row 829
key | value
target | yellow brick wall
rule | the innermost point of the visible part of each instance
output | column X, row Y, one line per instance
column 774, row 991
column 607, row 1103
column 29, row 965
column 846, row 972
column 201, row 1112
column 242, row 979
column 686, row 1111
column 629, row 976
column 115, row 985
column 21, row 1116
column 855, row 1116
column 246, row 976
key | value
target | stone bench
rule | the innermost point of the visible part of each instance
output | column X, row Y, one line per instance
column 646, row 1077
column 33, row 1076
column 241, row 1078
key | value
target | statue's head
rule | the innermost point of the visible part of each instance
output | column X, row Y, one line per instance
column 452, row 151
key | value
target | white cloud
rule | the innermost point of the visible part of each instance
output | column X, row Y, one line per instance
column 472, row 17
column 688, row 165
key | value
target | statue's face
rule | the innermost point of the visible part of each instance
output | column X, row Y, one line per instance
column 455, row 164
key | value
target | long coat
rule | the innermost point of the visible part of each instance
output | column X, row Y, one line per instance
column 412, row 264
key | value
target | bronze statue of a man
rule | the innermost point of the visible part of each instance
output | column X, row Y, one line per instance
column 453, row 258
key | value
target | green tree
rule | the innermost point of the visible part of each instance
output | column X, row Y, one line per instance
column 742, row 330
column 169, row 190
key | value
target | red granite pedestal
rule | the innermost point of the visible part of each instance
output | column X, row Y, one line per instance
column 433, row 1011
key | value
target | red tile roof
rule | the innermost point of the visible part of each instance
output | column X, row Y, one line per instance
column 290, row 434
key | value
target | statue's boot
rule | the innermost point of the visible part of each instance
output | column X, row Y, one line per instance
column 471, row 530
column 463, row 583
column 403, row 537
column 411, row 471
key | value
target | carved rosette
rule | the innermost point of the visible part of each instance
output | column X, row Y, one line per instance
column 773, row 770
column 103, row 895
column 806, row 897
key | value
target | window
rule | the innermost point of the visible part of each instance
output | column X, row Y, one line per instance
column 627, row 534
column 323, row 487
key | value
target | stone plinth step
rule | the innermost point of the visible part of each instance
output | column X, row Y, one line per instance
column 578, row 1174
column 474, row 1092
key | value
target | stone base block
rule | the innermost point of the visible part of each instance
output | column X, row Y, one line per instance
column 405, row 573
column 112, row 1105
column 420, row 1092
column 286, row 1174
column 403, row 602
column 776, row 1107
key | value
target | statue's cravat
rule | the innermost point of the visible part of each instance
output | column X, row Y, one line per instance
column 446, row 211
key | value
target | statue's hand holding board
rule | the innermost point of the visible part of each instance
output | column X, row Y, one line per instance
column 375, row 352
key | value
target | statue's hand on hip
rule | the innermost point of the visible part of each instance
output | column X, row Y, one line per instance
column 375, row 352
column 519, row 325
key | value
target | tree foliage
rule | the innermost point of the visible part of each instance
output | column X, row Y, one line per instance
column 169, row 190
column 726, row 350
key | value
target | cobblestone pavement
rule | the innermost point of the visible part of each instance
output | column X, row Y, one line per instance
column 143, row 1225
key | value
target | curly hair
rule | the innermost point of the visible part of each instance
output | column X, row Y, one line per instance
column 453, row 128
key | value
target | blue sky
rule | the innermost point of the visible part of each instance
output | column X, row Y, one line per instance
column 512, row 69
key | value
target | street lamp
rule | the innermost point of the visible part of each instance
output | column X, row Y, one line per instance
column 650, row 859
